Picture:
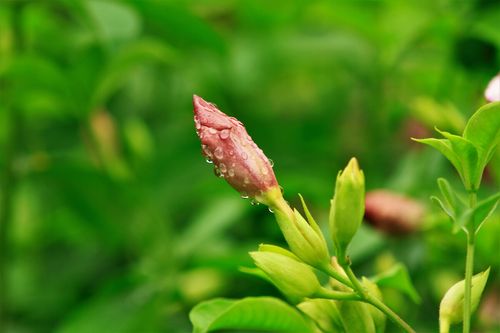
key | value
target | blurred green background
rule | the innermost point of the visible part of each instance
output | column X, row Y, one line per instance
column 111, row 221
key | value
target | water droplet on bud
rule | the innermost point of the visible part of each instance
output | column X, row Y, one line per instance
column 254, row 202
column 244, row 195
column 271, row 210
column 222, row 168
column 244, row 155
column 209, row 161
column 231, row 173
column 282, row 190
column 218, row 172
column 212, row 130
column 271, row 162
column 264, row 171
column 224, row 134
column 218, row 153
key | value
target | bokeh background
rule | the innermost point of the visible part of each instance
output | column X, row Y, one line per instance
column 110, row 219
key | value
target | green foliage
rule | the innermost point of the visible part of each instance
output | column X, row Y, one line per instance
column 113, row 232
column 251, row 313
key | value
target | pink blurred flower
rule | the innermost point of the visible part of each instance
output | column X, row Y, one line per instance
column 226, row 143
column 492, row 92
column 393, row 213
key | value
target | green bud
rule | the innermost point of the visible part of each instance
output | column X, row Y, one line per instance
column 324, row 313
column 303, row 237
column 295, row 279
column 356, row 317
column 347, row 207
column 451, row 307
column 277, row 249
column 378, row 316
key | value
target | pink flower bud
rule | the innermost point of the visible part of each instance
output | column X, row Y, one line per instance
column 393, row 213
column 226, row 143
column 492, row 92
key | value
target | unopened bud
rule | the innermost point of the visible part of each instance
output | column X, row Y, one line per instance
column 451, row 307
column 235, row 156
column 295, row 279
column 324, row 313
column 304, row 238
column 347, row 207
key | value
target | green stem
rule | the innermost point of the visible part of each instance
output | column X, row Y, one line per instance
column 469, row 266
column 328, row 269
column 368, row 298
column 337, row 295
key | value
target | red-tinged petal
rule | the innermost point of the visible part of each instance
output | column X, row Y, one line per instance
column 236, row 157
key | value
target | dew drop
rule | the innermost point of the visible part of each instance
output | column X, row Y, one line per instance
column 244, row 155
column 231, row 152
column 224, row 134
column 264, row 171
column 212, row 130
column 244, row 195
column 197, row 123
column 254, row 202
column 231, row 172
column 222, row 168
column 218, row 172
column 209, row 161
column 218, row 153
column 271, row 210
column 282, row 190
column 271, row 162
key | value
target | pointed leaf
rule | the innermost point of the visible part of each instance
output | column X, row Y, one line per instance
column 446, row 209
column 398, row 278
column 484, row 210
column 448, row 193
column 483, row 130
column 468, row 158
column 251, row 313
column 444, row 147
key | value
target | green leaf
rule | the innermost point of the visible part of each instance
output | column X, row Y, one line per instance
column 398, row 278
column 444, row 147
column 468, row 158
column 483, row 130
column 113, row 20
column 251, row 313
column 127, row 59
column 448, row 193
column 484, row 210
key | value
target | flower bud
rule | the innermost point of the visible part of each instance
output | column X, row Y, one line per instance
column 492, row 92
column 451, row 307
column 295, row 279
column 226, row 143
column 379, row 318
column 304, row 238
column 325, row 314
column 347, row 207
